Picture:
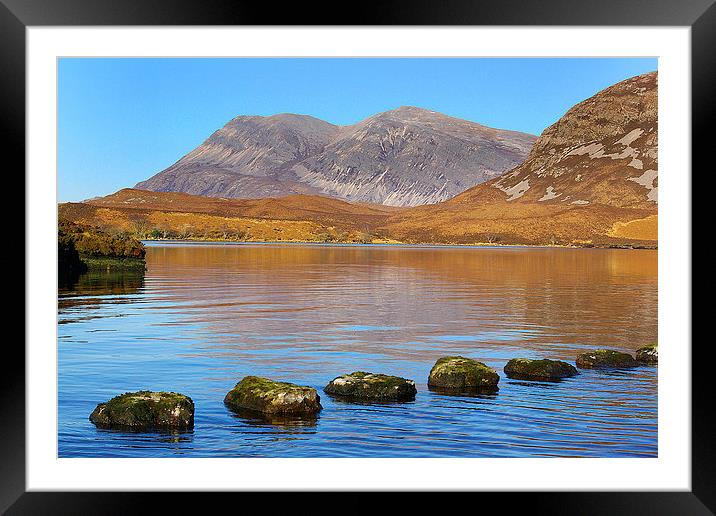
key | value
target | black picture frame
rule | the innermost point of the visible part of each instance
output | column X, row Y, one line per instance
column 17, row 15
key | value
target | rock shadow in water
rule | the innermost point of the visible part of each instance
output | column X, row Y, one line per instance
column 352, row 400
column 173, row 435
column 258, row 419
column 536, row 384
column 470, row 393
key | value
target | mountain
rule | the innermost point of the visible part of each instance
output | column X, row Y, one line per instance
column 250, row 157
column 404, row 157
column 603, row 150
column 592, row 177
column 411, row 156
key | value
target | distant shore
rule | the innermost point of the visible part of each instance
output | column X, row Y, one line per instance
column 390, row 244
column 145, row 215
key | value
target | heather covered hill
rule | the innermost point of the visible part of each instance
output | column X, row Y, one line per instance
column 404, row 157
column 172, row 215
column 603, row 150
column 591, row 178
column 292, row 207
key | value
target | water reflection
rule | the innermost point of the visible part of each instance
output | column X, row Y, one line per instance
column 466, row 393
column 504, row 295
column 164, row 435
column 85, row 294
column 203, row 317
column 286, row 422
column 102, row 282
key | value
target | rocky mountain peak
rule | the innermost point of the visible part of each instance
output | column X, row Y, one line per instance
column 408, row 113
column 405, row 156
column 603, row 150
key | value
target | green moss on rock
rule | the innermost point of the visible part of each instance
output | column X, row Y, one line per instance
column 360, row 385
column 544, row 369
column 145, row 410
column 648, row 353
column 462, row 374
column 98, row 249
column 272, row 398
column 605, row 358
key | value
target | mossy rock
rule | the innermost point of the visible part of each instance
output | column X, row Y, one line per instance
column 145, row 410
column 605, row 358
column 92, row 242
column 545, row 369
column 649, row 354
column 272, row 398
column 462, row 374
column 360, row 385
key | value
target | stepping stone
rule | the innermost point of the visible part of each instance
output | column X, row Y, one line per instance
column 371, row 386
column 269, row 397
column 462, row 374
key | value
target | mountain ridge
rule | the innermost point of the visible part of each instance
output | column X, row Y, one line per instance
column 404, row 156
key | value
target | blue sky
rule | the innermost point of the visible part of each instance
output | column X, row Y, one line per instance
column 123, row 120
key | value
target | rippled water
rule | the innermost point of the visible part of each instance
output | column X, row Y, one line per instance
column 203, row 316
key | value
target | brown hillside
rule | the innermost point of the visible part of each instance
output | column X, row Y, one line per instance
column 293, row 207
column 146, row 214
column 587, row 177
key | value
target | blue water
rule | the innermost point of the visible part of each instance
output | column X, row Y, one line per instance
column 204, row 316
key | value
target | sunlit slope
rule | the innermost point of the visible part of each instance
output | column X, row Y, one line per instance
column 177, row 215
column 588, row 174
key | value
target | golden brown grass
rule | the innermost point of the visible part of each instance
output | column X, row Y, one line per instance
column 500, row 222
column 158, row 224
column 639, row 229
column 467, row 219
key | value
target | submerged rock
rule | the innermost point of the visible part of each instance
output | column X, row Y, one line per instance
column 545, row 369
column 648, row 353
column 460, row 373
column 370, row 386
column 605, row 358
column 273, row 398
column 145, row 410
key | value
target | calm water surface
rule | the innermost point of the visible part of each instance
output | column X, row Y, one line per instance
column 204, row 316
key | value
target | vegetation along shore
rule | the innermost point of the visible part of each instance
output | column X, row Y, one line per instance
column 144, row 215
column 82, row 248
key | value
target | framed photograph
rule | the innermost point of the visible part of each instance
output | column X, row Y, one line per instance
column 426, row 251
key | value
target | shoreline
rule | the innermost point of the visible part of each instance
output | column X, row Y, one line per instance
column 476, row 245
